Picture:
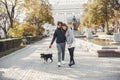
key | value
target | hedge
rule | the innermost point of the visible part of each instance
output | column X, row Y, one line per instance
column 8, row 44
column 32, row 39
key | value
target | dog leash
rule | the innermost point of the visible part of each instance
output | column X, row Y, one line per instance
column 48, row 51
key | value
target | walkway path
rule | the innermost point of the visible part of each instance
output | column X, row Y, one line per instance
column 25, row 64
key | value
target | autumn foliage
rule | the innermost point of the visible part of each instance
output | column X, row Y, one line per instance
column 29, row 29
column 101, row 12
column 37, row 13
column 22, row 29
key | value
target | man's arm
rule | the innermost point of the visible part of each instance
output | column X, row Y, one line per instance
column 54, row 37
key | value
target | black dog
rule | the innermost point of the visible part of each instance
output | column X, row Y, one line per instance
column 46, row 57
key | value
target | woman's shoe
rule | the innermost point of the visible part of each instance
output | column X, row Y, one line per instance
column 72, row 63
column 69, row 65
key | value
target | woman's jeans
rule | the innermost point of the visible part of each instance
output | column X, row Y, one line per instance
column 71, row 52
column 61, row 51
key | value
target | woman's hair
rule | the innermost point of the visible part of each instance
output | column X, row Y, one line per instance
column 65, row 25
column 64, row 31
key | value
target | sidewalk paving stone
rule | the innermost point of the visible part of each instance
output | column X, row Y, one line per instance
column 25, row 64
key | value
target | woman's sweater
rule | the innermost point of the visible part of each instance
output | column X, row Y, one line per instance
column 70, row 38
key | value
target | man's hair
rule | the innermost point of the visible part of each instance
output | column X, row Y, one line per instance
column 59, row 22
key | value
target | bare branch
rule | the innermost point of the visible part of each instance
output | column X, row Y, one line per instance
column 2, row 2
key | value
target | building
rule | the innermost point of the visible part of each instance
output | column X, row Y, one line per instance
column 90, row 1
column 64, row 10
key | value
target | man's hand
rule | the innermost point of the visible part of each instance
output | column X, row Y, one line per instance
column 50, row 46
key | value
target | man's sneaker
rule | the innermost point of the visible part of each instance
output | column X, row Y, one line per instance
column 63, row 62
column 59, row 64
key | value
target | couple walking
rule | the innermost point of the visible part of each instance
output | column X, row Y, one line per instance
column 64, row 34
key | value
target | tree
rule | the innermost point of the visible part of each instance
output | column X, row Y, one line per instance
column 100, row 12
column 115, row 20
column 16, row 32
column 22, row 29
column 39, row 12
column 9, row 10
column 9, row 7
column 91, row 16
column 29, row 29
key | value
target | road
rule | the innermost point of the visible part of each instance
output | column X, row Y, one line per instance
column 25, row 64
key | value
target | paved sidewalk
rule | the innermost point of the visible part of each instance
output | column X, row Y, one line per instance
column 25, row 64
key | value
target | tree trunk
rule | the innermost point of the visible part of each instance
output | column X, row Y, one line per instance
column 107, row 27
column 106, row 18
column 10, row 14
column 5, row 32
column 103, row 27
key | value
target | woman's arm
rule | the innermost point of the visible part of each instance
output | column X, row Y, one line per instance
column 69, row 36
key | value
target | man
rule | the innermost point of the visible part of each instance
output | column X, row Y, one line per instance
column 60, row 41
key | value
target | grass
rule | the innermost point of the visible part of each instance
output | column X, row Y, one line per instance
column 100, row 41
column 10, row 51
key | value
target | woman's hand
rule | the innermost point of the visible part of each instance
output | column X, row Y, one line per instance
column 69, row 45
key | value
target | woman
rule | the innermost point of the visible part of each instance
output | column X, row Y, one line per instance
column 70, row 42
column 60, row 40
